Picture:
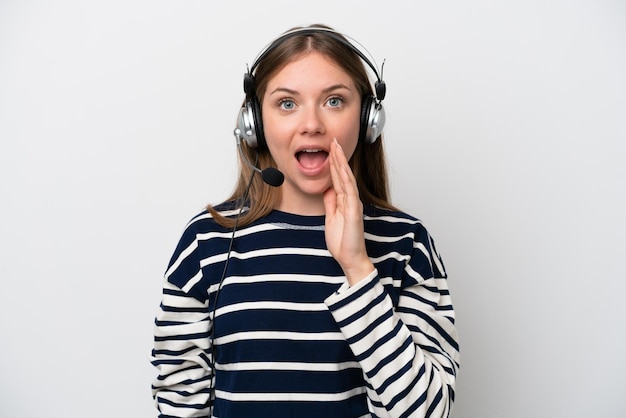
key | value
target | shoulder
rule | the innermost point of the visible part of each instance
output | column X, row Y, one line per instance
column 204, row 220
column 407, row 235
column 202, row 239
column 377, row 218
column 201, row 227
column 396, row 226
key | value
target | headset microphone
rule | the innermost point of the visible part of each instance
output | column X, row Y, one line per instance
column 270, row 175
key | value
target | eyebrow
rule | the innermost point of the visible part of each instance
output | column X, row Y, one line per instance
column 334, row 87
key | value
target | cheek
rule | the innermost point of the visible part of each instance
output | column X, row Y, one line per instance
column 276, row 138
column 277, row 141
column 348, row 135
column 276, row 128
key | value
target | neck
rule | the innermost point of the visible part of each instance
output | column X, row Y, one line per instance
column 313, row 206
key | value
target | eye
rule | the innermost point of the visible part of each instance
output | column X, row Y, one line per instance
column 335, row 101
column 286, row 104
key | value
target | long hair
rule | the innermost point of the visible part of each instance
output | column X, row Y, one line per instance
column 367, row 161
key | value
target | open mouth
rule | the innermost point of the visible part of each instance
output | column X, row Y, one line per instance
column 311, row 158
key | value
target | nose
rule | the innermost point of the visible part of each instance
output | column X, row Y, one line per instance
column 312, row 122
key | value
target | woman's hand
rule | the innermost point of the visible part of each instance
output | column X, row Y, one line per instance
column 345, row 237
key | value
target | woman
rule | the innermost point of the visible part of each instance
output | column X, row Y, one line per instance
column 316, row 298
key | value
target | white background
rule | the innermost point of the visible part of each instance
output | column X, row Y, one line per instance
column 505, row 132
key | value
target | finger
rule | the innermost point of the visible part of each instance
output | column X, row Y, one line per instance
column 330, row 202
column 348, row 181
column 336, row 169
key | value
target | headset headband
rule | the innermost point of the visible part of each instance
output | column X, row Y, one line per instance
column 343, row 39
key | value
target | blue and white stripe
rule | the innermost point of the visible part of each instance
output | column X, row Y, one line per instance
column 291, row 338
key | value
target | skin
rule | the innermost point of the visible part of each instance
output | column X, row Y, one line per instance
column 312, row 104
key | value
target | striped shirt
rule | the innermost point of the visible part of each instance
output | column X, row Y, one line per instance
column 289, row 338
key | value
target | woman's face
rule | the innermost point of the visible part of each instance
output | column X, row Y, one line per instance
column 307, row 104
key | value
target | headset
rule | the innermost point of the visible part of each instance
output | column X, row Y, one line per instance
column 250, row 121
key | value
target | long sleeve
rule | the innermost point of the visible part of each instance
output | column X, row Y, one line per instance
column 402, row 332
column 181, row 355
column 182, row 351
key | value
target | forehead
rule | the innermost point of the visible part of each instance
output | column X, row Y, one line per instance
column 310, row 68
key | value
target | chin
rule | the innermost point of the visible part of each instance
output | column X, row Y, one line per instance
column 317, row 187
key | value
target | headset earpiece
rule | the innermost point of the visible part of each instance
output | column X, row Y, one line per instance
column 250, row 124
column 372, row 120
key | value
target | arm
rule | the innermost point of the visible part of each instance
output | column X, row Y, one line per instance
column 181, row 355
column 409, row 354
column 182, row 349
